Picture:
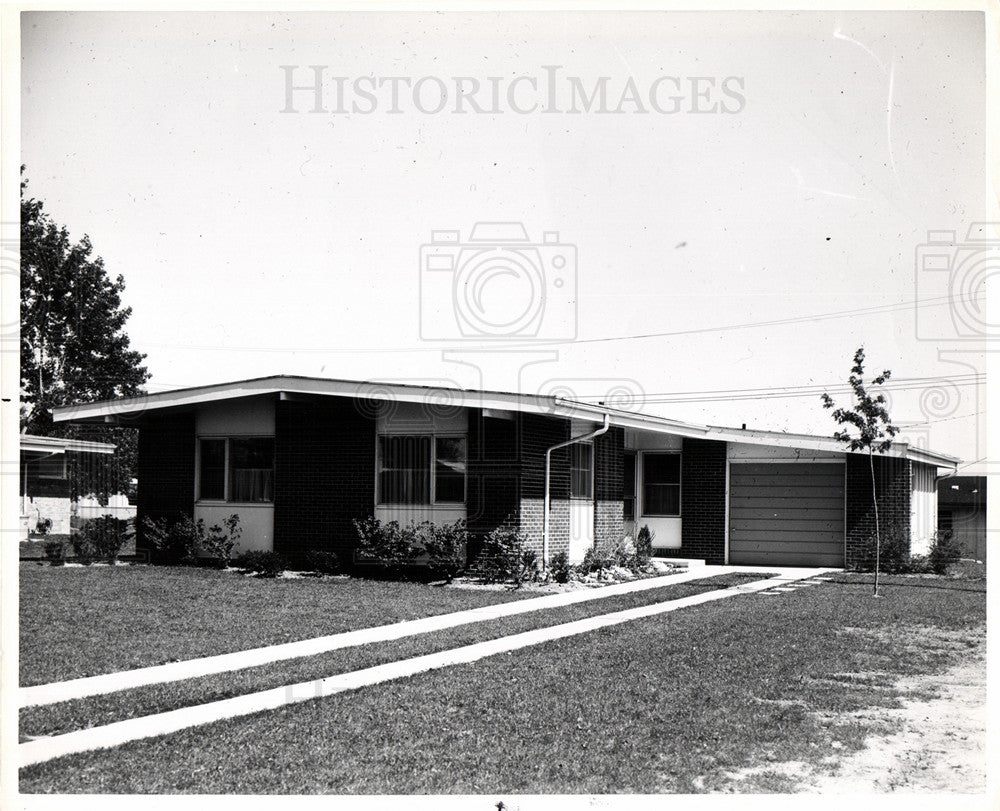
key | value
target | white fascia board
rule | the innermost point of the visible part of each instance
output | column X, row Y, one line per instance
column 55, row 445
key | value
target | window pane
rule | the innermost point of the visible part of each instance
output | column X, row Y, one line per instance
column 404, row 470
column 662, row 499
column 212, row 476
column 661, row 468
column 581, row 469
column 251, row 469
column 449, row 469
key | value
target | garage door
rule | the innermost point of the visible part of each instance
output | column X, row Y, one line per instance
column 786, row 514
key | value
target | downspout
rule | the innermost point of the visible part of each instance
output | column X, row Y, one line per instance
column 548, row 471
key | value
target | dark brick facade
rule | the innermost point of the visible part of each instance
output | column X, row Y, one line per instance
column 703, row 500
column 537, row 434
column 609, row 488
column 493, row 493
column 892, row 486
column 165, row 470
column 324, row 475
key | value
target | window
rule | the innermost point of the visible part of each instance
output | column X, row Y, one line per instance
column 581, row 470
column 661, row 484
column 237, row 469
column 449, row 469
column 628, row 495
column 251, row 469
column 212, row 476
column 52, row 467
column 407, row 476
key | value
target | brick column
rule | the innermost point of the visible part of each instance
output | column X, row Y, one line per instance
column 538, row 433
column 609, row 484
column 165, row 470
column 892, row 486
column 703, row 500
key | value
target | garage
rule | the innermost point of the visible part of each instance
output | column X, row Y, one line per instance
column 786, row 514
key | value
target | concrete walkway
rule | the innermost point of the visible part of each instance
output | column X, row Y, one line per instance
column 54, row 692
column 149, row 726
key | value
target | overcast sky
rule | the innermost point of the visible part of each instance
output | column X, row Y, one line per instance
column 255, row 241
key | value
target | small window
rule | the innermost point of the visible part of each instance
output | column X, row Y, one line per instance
column 212, row 475
column 251, row 469
column 628, row 494
column 449, row 470
column 661, row 484
column 404, row 475
column 581, row 470
column 52, row 467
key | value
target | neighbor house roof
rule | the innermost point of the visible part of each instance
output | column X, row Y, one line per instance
column 47, row 445
column 295, row 387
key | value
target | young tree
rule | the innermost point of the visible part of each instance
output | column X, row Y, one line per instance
column 873, row 428
column 73, row 342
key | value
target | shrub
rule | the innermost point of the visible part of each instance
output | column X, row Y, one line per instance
column 445, row 546
column 503, row 558
column 43, row 526
column 179, row 542
column 106, row 535
column 220, row 541
column 559, row 567
column 944, row 552
column 644, row 545
column 388, row 546
column 83, row 549
column 894, row 551
column 322, row 561
column 265, row 564
column 55, row 551
column 597, row 560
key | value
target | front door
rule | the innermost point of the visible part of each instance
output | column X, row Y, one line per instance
column 581, row 500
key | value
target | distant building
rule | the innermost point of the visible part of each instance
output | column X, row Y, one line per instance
column 962, row 509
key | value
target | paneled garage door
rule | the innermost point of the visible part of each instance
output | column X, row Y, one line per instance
column 786, row 514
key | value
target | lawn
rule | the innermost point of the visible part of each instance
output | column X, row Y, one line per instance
column 673, row 703
column 104, row 709
column 85, row 621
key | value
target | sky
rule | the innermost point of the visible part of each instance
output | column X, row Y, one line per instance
column 764, row 169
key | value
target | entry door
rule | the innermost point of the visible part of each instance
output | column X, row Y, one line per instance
column 581, row 500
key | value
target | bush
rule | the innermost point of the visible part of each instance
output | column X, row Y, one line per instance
column 322, row 561
column 944, row 552
column 105, row 535
column 644, row 545
column 175, row 543
column 503, row 558
column 388, row 546
column 894, row 552
column 445, row 546
column 559, row 567
column 597, row 560
column 43, row 526
column 265, row 564
column 55, row 551
column 220, row 541
column 83, row 549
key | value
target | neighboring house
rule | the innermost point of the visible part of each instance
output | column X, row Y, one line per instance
column 962, row 511
column 300, row 458
column 46, row 491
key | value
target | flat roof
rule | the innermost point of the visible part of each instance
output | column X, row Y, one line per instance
column 291, row 386
column 56, row 444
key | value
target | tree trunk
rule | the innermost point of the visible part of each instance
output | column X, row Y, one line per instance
column 878, row 539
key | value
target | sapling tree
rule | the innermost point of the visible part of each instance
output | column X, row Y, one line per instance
column 867, row 427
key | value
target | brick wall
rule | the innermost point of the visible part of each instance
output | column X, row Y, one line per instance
column 165, row 470
column 538, row 433
column 493, row 493
column 609, row 481
column 703, row 500
column 324, row 475
column 892, row 486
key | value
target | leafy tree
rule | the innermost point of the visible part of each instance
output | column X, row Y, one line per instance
column 872, row 427
column 73, row 342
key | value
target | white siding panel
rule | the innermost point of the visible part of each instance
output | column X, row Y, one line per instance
column 923, row 508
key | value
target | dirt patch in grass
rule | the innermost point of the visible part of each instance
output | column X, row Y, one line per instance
column 935, row 742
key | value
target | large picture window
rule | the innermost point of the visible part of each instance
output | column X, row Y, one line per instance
column 421, row 469
column 236, row 469
column 581, row 470
column 661, row 484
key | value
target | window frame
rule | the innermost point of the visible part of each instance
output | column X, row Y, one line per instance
column 633, row 458
column 679, row 485
column 593, row 465
column 434, row 436
column 227, row 471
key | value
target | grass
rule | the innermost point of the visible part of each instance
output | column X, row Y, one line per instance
column 673, row 703
column 85, row 621
column 104, row 709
